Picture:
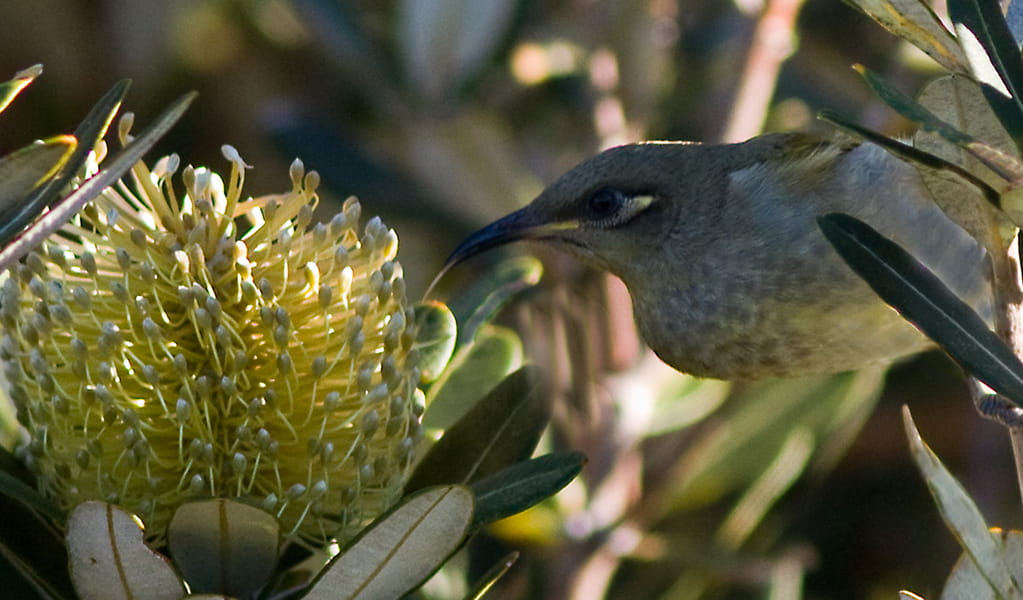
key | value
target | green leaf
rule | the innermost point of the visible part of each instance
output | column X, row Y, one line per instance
column 500, row 430
column 487, row 295
column 15, row 217
column 30, row 167
column 523, row 485
column 32, row 551
column 484, row 583
column 1002, row 164
column 967, row 582
column 109, row 560
column 436, row 331
column 18, row 244
column 924, row 300
column 951, row 185
column 984, row 20
column 10, row 89
column 224, row 547
column 961, row 515
column 16, row 489
column 915, row 22
column 475, row 370
column 783, row 471
column 401, row 549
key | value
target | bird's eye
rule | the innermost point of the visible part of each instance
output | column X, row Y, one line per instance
column 606, row 202
column 609, row 207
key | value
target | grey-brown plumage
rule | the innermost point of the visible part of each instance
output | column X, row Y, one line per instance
column 729, row 274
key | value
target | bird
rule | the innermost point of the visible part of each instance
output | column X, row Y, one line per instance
column 718, row 244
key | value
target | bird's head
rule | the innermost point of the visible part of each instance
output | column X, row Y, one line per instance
column 612, row 211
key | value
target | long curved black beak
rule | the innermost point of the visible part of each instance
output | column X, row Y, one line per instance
column 521, row 224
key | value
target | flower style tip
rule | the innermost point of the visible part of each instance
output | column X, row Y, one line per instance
column 171, row 344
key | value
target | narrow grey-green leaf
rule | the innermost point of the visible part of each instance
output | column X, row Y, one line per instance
column 224, row 547
column 12, row 487
column 474, row 371
column 14, row 218
column 484, row 583
column 523, row 485
column 10, row 89
column 32, row 550
column 498, row 431
column 915, row 22
column 401, row 549
column 961, row 514
column 1004, row 165
column 924, row 300
column 911, row 153
column 482, row 299
column 436, row 331
column 967, row 582
column 985, row 20
column 30, row 167
column 109, row 560
column 26, row 240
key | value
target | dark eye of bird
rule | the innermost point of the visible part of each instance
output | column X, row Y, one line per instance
column 605, row 202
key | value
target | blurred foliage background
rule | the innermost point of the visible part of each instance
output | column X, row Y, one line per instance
column 444, row 114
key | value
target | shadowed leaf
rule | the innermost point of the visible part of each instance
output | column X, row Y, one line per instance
column 484, row 583
column 1004, row 165
column 523, row 485
column 926, row 302
column 59, row 214
column 503, row 428
column 475, row 370
column 92, row 128
column 28, row 168
column 223, row 547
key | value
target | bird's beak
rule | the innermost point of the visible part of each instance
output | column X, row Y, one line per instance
column 522, row 224
column 519, row 225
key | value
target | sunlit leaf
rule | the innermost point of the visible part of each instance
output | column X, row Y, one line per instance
column 523, row 485
column 998, row 50
column 967, row 582
column 223, row 547
column 501, row 429
column 401, row 549
column 436, row 331
column 10, row 89
column 23, row 242
column 958, row 101
column 915, row 22
column 30, row 167
column 14, row 217
column 473, row 372
column 1004, row 165
column 109, row 560
column 961, row 515
column 925, row 301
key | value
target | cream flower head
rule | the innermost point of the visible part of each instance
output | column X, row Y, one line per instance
column 170, row 345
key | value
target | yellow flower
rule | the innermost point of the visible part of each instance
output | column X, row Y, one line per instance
column 172, row 344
